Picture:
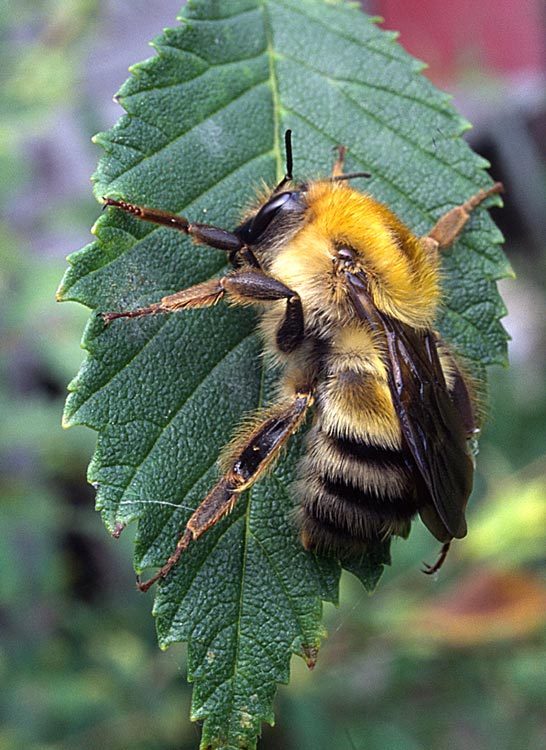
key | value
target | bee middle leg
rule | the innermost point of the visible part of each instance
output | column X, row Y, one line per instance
column 248, row 458
column 451, row 224
column 337, row 170
column 242, row 287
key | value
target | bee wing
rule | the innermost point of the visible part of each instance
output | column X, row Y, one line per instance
column 432, row 427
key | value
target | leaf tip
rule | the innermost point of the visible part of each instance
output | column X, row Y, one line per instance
column 118, row 528
column 465, row 126
column 508, row 272
column 310, row 656
column 66, row 420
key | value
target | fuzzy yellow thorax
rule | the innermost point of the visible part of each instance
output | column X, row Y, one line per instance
column 403, row 281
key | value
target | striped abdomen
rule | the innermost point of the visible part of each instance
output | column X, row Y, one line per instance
column 353, row 492
column 356, row 482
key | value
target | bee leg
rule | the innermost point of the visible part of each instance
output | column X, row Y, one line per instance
column 431, row 569
column 338, row 174
column 201, row 295
column 242, row 287
column 451, row 224
column 207, row 234
column 249, row 457
column 337, row 169
column 249, row 286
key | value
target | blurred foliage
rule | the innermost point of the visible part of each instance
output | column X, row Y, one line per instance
column 79, row 663
column 42, row 46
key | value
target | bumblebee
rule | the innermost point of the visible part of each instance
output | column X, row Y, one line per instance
column 348, row 297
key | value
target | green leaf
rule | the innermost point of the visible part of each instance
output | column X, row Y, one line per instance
column 203, row 128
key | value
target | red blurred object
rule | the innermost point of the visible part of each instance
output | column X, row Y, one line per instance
column 483, row 607
column 502, row 37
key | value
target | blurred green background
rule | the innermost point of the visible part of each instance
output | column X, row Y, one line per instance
column 454, row 663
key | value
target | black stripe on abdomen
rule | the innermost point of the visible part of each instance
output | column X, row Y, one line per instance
column 378, row 455
column 399, row 505
column 361, row 494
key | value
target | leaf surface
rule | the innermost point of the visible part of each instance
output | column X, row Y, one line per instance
column 203, row 129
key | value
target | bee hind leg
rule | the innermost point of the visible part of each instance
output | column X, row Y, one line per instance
column 429, row 570
column 248, row 457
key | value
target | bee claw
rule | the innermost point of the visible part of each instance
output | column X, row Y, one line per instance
column 108, row 317
column 429, row 570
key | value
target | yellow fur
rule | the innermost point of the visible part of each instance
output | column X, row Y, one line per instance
column 354, row 396
column 325, row 459
column 353, row 476
column 360, row 408
column 357, row 349
column 404, row 280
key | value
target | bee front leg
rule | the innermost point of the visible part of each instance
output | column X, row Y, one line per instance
column 247, row 458
column 206, row 234
column 451, row 224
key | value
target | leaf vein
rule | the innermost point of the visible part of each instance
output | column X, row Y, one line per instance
column 210, row 66
column 369, row 85
column 177, row 136
column 178, row 408
column 368, row 43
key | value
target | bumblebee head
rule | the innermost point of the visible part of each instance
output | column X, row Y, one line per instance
column 287, row 204
column 284, row 210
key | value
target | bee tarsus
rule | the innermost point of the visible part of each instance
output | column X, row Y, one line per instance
column 430, row 570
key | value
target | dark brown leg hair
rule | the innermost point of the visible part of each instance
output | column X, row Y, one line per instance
column 206, row 234
column 431, row 569
column 251, row 456
column 451, row 224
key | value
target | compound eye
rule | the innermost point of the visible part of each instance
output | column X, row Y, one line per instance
column 266, row 214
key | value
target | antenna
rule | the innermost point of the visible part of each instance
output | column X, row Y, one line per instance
column 289, row 163
column 350, row 176
column 288, row 149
